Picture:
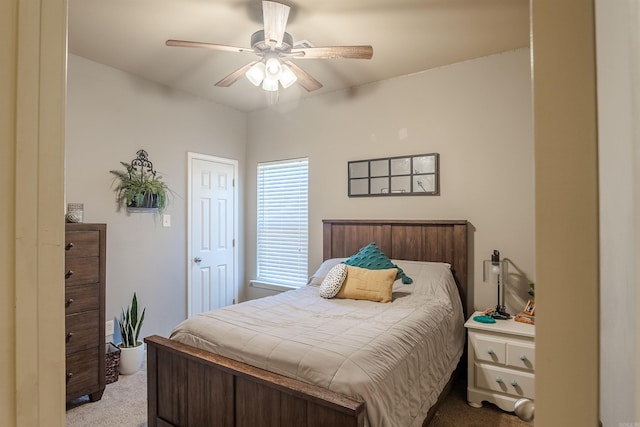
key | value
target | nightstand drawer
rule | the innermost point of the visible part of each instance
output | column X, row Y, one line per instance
column 514, row 383
column 489, row 349
column 522, row 356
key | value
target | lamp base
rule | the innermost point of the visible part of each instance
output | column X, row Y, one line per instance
column 500, row 313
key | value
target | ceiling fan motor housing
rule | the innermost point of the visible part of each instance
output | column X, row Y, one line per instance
column 259, row 44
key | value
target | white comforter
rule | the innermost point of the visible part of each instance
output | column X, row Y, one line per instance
column 397, row 357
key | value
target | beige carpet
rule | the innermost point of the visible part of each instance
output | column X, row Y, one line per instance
column 124, row 404
column 455, row 412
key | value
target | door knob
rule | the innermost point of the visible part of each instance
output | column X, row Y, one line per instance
column 197, row 259
column 524, row 409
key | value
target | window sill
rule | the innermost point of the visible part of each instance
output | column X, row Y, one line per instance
column 270, row 286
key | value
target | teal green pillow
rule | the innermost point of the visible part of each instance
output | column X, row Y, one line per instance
column 372, row 258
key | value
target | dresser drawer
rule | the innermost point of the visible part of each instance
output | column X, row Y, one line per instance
column 521, row 356
column 83, row 372
column 82, row 331
column 489, row 349
column 515, row 383
column 80, row 298
column 82, row 244
column 82, row 270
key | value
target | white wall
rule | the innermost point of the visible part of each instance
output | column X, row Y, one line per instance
column 110, row 115
column 477, row 114
column 618, row 65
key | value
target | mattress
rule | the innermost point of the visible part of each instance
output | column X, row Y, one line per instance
column 397, row 357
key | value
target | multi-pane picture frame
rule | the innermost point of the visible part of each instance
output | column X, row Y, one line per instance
column 416, row 175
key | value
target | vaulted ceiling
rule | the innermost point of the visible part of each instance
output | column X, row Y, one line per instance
column 407, row 36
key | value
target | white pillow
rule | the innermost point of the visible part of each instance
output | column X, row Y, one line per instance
column 317, row 277
column 333, row 281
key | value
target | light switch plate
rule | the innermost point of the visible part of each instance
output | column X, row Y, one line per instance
column 166, row 220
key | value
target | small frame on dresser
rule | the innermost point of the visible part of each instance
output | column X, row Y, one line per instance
column 530, row 308
column 416, row 175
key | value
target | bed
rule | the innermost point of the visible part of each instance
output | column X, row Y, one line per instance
column 196, row 384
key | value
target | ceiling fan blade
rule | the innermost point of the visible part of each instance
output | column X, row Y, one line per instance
column 304, row 79
column 213, row 46
column 233, row 77
column 333, row 52
column 274, row 16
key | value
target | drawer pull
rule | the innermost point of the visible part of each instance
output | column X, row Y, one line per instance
column 69, row 245
column 490, row 351
column 498, row 380
column 68, row 274
column 69, row 335
column 523, row 357
column 69, row 375
column 514, row 383
column 69, row 302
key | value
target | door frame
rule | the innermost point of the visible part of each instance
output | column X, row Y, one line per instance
column 32, row 113
column 566, row 205
column 30, row 398
column 199, row 156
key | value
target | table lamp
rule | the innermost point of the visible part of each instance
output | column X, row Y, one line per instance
column 495, row 272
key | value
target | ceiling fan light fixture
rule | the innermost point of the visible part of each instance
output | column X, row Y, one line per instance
column 256, row 73
column 273, row 68
column 287, row 77
column 270, row 84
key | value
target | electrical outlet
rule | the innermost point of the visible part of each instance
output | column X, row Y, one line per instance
column 108, row 328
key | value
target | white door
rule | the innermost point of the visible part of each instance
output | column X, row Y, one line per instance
column 212, row 263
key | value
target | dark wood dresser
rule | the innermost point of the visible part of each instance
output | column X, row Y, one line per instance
column 85, row 248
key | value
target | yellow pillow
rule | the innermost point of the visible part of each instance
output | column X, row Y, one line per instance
column 372, row 285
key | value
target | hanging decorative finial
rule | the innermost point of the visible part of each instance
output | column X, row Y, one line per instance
column 143, row 162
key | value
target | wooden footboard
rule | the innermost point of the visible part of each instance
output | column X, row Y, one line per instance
column 191, row 387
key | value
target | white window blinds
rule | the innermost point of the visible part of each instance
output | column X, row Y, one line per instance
column 282, row 228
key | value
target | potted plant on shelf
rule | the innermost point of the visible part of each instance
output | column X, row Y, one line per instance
column 131, row 349
column 137, row 189
column 138, row 186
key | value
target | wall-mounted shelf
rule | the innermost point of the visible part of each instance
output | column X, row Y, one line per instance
column 141, row 210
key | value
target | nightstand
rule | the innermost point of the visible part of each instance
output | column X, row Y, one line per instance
column 501, row 362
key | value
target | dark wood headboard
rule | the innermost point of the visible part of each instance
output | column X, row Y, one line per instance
column 413, row 240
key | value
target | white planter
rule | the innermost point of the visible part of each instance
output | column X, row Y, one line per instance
column 131, row 359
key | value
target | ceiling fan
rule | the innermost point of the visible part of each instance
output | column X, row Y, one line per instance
column 275, row 48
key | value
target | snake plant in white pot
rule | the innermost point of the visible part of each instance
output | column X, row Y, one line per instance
column 131, row 349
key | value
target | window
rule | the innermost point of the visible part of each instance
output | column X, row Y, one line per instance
column 283, row 222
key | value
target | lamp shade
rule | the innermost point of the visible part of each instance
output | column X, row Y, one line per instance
column 273, row 67
column 270, row 84
column 287, row 77
column 494, row 271
column 256, row 73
